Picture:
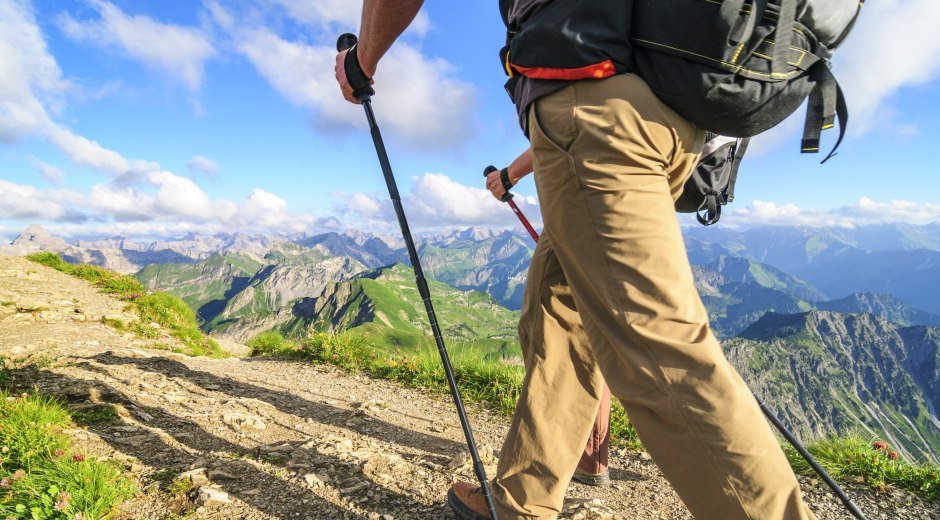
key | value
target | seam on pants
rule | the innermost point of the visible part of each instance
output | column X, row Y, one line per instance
column 661, row 380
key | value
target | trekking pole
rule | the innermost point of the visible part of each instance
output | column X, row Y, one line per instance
column 345, row 42
column 507, row 198
column 833, row 485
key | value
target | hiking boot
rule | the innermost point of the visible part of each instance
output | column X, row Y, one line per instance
column 468, row 502
column 595, row 479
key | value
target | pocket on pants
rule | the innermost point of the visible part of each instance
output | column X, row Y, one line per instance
column 552, row 122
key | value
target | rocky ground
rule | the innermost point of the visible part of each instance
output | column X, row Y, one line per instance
column 266, row 439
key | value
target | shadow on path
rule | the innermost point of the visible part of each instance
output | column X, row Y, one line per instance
column 269, row 493
column 290, row 404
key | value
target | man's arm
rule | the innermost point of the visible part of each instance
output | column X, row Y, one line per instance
column 383, row 21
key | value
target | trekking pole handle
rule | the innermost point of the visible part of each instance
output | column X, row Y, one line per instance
column 355, row 76
column 346, row 41
column 486, row 173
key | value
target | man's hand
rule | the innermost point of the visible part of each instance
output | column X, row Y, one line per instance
column 340, row 70
column 495, row 185
column 382, row 22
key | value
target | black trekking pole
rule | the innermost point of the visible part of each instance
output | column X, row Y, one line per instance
column 833, row 485
column 364, row 96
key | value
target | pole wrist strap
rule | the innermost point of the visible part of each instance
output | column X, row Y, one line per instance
column 504, row 178
column 356, row 78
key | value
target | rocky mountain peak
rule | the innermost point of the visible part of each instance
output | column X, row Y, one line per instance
column 832, row 324
column 34, row 238
column 33, row 232
column 476, row 233
column 832, row 372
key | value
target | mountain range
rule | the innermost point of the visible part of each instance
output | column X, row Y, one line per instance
column 833, row 327
column 898, row 259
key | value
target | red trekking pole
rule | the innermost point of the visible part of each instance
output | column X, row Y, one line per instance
column 507, row 198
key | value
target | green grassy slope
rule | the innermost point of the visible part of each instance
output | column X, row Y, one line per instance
column 385, row 303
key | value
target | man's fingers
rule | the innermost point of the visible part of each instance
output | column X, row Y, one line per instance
column 340, row 71
column 495, row 185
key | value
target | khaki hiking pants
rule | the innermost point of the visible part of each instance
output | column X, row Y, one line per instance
column 610, row 296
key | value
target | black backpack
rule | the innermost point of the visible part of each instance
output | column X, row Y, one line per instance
column 739, row 67
column 718, row 63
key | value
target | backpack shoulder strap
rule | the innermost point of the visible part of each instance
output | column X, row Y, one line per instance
column 783, row 36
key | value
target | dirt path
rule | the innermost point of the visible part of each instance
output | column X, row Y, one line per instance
column 282, row 439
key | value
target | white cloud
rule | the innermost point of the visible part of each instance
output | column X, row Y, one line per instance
column 85, row 152
column 264, row 209
column 321, row 12
column 176, row 50
column 24, row 202
column 438, row 202
column 162, row 201
column 48, row 171
column 344, row 13
column 182, row 198
column 203, row 165
column 866, row 212
column 893, row 46
column 30, row 78
column 122, row 204
column 418, row 99
column 31, row 93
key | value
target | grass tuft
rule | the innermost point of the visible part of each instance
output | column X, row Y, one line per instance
column 481, row 380
column 161, row 308
column 874, row 462
column 40, row 476
column 98, row 414
column 272, row 343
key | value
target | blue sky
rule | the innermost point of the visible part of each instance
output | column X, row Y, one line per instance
column 155, row 118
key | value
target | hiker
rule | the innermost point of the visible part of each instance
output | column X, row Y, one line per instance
column 610, row 279
column 592, row 469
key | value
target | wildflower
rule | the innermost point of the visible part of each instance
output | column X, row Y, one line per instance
column 59, row 452
column 4, row 449
column 880, row 445
column 78, row 457
column 78, row 516
column 5, row 482
column 19, row 474
column 893, row 455
column 63, row 502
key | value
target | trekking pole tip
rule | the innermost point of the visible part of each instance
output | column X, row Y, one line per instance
column 345, row 41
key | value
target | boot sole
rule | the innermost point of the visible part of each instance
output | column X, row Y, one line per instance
column 593, row 480
column 461, row 510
